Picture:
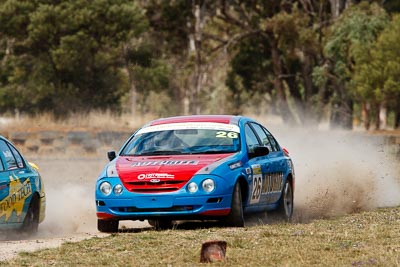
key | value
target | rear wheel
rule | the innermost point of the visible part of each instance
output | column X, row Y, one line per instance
column 31, row 220
column 285, row 208
column 161, row 224
column 107, row 226
column 235, row 217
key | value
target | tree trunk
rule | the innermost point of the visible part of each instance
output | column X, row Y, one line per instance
column 310, row 116
column 282, row 103
column 337, row 7
column 383, row 116
column 197, row 79
column 365, row 115
column 342, row 110
column 377, row 117
column 397, row 118
column 132, row 87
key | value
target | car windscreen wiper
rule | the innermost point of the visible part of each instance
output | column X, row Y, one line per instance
column 160, row 152
column 212, row 152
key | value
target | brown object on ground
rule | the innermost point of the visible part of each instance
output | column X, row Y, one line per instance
column 213, row 251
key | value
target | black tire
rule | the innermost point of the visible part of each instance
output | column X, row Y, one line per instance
column 31, row 220
column 236, row 217
column 285, row 208
column 107, row 226
column 161, row 224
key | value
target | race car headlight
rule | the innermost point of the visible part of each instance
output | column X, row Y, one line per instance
column 208, row 185
column 118, row 189
column 112, row 170
column 192, row 187
column 105, row 188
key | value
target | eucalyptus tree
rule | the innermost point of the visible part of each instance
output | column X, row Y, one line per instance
column 377, row 81
column 66, row 55
column 349, row 44
column 274, row 47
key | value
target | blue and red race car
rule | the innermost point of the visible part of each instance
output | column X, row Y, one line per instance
column 22, row 196
column 201, row 167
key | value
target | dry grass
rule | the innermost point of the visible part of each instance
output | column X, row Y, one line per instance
column 363, row 239
column 92, row 121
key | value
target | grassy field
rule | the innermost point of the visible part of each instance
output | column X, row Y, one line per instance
column 362, row 239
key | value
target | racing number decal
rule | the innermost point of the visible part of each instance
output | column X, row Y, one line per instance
column 257, row 184
column 268, row 185
column 222, row 134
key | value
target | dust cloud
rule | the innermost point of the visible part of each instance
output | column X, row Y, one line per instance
column 336, row 173
column 70, row 201
column 69, row 185
column 340, row 172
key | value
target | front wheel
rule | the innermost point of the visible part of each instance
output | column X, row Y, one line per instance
column 235, row 217
column 285, row 208
column 107, row 226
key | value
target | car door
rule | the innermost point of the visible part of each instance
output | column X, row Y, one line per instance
column 273, row 176
column 260, row 168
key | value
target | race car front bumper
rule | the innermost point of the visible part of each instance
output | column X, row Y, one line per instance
column 176, row 205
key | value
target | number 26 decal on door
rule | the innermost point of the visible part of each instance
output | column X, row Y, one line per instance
column 257, row 184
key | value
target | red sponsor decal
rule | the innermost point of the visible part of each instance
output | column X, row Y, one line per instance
column 221, row 212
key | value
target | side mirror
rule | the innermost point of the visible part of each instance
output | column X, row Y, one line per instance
column 111, row 155
column 260, row 151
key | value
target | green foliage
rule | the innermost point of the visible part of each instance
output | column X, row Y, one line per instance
column 78, row 55
column 378, row 80
column 66, row 55
column 391, row 6
column 251, row 64
column 170, row 22
column 352, row 37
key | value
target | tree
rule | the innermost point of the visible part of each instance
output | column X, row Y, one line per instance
column 284, row 49
column 66, row 55
column 350, row 42
column 377, row 81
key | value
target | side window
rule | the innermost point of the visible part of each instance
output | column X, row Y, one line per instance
column 17, row 156
column 8, row 155
column 1, row 165
column 273, row 141
column 262, row 135
column 251, row 138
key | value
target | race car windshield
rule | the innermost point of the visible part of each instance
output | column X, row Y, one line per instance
column 183, row 141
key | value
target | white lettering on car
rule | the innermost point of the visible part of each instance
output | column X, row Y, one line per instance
column 164, row 162
column 155, row 176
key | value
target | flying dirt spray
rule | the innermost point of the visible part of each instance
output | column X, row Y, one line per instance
column 340, row 172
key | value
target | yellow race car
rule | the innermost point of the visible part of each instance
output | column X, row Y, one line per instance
column 22, row 196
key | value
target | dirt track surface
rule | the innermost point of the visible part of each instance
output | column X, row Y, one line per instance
column 11, row 247
column 336, row 174
column 70, row 212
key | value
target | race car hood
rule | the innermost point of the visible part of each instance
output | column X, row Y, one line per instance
column 163, row 168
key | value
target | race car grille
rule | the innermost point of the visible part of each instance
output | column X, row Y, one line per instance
column 171, row 209
column 154, row 187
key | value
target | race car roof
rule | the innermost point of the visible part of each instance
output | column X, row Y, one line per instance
column 227, row 119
